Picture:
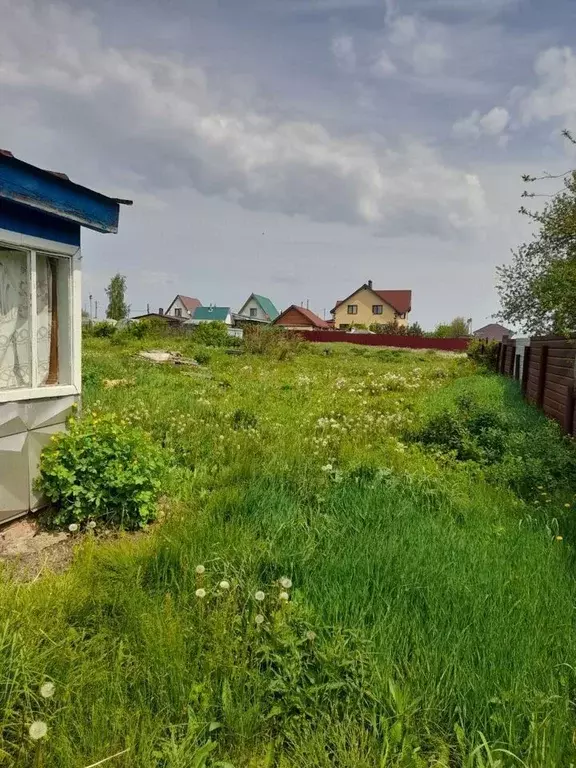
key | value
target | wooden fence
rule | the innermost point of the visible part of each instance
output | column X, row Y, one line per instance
column 387, row 340
column 545, row 367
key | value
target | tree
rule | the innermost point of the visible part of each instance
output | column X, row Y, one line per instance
column 117, row 308
column 458, row 328
column 538, row 289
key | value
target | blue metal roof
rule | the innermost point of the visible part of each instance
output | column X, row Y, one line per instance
column 49, row 193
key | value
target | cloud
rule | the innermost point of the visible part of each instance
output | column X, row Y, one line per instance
column 383, row 66
column 344, row 52
column 165, row 122
column 555, row 94
column 493, row 123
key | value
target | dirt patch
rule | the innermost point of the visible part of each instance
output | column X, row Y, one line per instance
column 26, row 551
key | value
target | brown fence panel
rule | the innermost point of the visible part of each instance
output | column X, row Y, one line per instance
column 385, row 340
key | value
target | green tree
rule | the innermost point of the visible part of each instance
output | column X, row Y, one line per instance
column 117, row 308
column 458, row 328
column 538, row 288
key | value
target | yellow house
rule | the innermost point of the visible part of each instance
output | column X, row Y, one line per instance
column 367, row 306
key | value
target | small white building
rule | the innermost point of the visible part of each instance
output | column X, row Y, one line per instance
column 41, row 214
column 182, row 307
column 257, row 309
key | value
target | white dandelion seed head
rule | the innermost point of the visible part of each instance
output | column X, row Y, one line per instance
column 310, row 635
column 259, row 596
column 224, row 585
column 259, row 619
column 38, row 729
column 200, row 569
column 285, row 582
column 47, row 690
column 92, row 524
column 284, row 596
column 73, row 527
column 200, row 593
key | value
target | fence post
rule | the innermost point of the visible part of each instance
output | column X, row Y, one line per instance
column 542, row 376
column 502, row 368
column 569, row 409
column 526, row 369
column 498, row 356
column 517, row 367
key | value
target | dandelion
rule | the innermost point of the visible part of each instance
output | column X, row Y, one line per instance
column 92, row 524
column 259, row 619
column 47, row 690
column 310, row 635
column 200, row 569
column 38, row 729
column 259, row 596
column 284, row 596
column 567, row 506
column 224, row 585
column 559, row 538
column 200, row 593
column 285, row 582
column 73, row 527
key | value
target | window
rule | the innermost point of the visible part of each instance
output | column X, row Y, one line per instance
column 377, row 309
column 401, row 315
column 36, row 329
column 352, row 309
column 253, row 312
column 177, row 312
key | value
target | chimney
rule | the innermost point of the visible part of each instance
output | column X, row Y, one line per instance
column 161, row 311
column 370, row 284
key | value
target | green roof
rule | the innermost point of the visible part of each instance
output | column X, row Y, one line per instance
column 267, row 306
column 211, row 313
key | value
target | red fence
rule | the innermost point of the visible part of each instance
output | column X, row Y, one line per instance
column 385, row 340
column 546, row 367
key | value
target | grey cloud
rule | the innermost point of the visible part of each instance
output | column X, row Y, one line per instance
column 168, row 123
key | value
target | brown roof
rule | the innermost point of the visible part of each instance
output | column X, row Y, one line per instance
column 400, row 300
column 312, row 318
column 190, row 303
column 492, row 331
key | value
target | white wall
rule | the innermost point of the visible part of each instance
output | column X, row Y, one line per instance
column 178, row 305
column 253, row 304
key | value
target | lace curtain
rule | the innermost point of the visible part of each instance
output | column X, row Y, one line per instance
column 15, row 348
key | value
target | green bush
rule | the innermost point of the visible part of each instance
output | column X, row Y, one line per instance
column 214, row 334
column 272, row 341
column 202, row 357
column 103, row 329
column 483, row 352
column 101, row 469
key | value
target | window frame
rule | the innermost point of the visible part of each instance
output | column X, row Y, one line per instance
column 31, row 246
column 352, row 309
column 377, row 309
column 253, row 311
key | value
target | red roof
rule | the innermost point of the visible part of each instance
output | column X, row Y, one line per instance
column 307, row 314
column 190, row 303
column 400, row 300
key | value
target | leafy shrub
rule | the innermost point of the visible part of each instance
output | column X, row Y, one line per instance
column 272, row 341
column 483, row 352
column 214, row 334
column 101, row 468
column 242, row 419
column 103, row 329
column 202, row 357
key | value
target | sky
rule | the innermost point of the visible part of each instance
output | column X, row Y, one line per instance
column 295, row 148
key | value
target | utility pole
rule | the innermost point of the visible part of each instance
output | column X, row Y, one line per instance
column 148, row 309
column 96, row 313
column 91, row 315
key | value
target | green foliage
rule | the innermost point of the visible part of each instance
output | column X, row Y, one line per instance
column 453, row 330
column 415, row 329
column 213, row 334
column 101, row 469
column 272, row 341
column 102, row 330
column 484, row 353
column 538, row 288
column 116, row 291
column 202, row 357
column 390, row 329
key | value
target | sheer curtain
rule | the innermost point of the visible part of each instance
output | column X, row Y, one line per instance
column 15, row 367
column 44, row 315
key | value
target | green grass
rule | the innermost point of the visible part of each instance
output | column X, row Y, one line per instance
column 440, row 599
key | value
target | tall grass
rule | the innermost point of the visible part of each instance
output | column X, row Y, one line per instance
column 430, row 621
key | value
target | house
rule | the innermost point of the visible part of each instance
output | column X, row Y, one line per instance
column 210, row 314
column 366, row 306
column 300, row 319
column 41, row 214
column 182, row 306
column 492, row 332
column 257, row 309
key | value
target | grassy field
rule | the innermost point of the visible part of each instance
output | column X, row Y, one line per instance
column 423, row 515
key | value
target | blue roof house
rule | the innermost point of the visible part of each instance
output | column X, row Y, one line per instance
column 41, row 215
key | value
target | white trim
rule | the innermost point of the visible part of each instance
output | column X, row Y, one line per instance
column 36, row 243
column 14, row 395
column 75, row 292
column 33, row 318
